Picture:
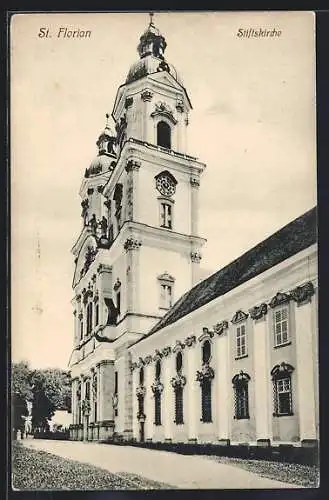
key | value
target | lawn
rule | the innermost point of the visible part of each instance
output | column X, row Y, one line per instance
column 306, row 476
column 38, row 470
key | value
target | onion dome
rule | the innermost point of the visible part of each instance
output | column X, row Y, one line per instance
column 106, row 158
column 151, row 49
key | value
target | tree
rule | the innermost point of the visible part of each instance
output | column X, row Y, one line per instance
column 21, row 393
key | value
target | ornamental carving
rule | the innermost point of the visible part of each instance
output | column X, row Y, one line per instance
column 281, row 370
column 128, row 102
column 85, row 407
column 157, row 356
column 132, row 244
column 166, row 351
column 79, row 391
column 206, row 333
column 104, row 268
column 240, row 378
column 166, row 277
column 115, row 401
column 89, row 258
column 146, row 95
column 94, row 385
column 220, row 327
column 84, row 213
column 178, row 381
column 239, row 316
column 196, row 257
column 279, row 298
column 140, row 391
column 86, row 294
column 302, row 294
column 161, row 108
column 258, row 312
column 140, row 362
column 157, row 387
column 206, row 373
column 120, row 128
column 178, row 346
column 180, row 105
column 148, row 360
column 132, row 165
column 189, row 341
column 133, row 366
column 96, row 297
column 163, row 66
column 80, row 315
column 195, row 182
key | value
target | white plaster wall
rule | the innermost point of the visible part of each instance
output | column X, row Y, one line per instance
column 154, row 262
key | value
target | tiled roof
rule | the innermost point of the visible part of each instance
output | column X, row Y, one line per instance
column 289, row 240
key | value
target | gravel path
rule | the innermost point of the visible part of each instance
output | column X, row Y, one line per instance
column 180, row 471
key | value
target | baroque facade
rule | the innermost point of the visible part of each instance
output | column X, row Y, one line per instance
column 158, row 354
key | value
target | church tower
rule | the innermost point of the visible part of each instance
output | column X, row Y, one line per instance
column 139, row 248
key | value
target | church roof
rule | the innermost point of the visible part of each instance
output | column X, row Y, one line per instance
column 289, row 240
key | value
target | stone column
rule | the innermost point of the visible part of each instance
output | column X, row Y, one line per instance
column 195, row 184
column 262, row 380
column 149, row 401
column 131, row 247
column 168, row 397
column 135, row 423
column 106, row 383
column 132, row 168
column 223, row 383
column 193, row 393
column 304, row 299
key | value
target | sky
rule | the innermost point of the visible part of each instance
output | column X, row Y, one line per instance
column 253, row 124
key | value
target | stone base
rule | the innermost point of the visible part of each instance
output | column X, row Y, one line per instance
column 168, row 440
column 148, row 440
column 224, row 442
column 192, row 440
column 264, row 443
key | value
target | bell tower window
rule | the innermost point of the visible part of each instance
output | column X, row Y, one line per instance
column 166, row 283
column 166, row 215
column 164, row 135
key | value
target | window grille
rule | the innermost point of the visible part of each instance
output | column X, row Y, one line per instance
column 206, row 400
column 157, row 408
column 179, row 405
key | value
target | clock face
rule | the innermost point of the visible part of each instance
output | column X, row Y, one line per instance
column 165, row 185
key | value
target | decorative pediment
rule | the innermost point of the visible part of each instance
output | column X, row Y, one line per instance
column 282, row 370
column 178, row 381
column 157, row 356
column 206, row 373
column 258, row 312
column 302, row 294
column 240, row 378
column 206, row 334
column 239, row 316
column 166, row 351
column 279, row 298
column 189, row 341
column 163, row 109
column 148, row 360
column 178, row 346
column 132, row 244
column 140, row 362
column 157, row 387
column 220, row 327
column 166, row 277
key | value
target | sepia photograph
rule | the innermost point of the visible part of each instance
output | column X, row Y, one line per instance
column 164, row 257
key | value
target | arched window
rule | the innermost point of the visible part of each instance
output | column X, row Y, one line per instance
column 89, row 318
column 97, row 314
column 282, row 390
column 158, row 369
column 179, row 405
column 241, row 398
column 157, row 408
column 206, row 352
column 164, row 135
column 141, row 376
column 206, row 400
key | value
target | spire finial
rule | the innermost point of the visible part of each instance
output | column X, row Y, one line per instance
column 107, row 120
column 151, row 14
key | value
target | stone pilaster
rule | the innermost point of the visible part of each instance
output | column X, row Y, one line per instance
column 262, row 380
column 132, row 200
column 135, row 423
column 106, row 386
column 195, row 184
column 168, row 397
column 223, row 385
column 304, row 304
column 147, row 125
column 128, row 397
column 131, row 247
column 149, row 401
column 193, row 393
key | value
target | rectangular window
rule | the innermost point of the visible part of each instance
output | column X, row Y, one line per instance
column 283, row 396
column 165, row 296
column 118, row 297
column 115, row 382
column 241, row 341
column 157, row 408
column 206, row 401
column 280, row 325
column 179, row 406
column 81, row 329
column 141, row 405
column 241, row 401
column 95, row 411
column 166, row 215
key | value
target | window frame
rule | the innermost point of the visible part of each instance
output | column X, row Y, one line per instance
column 276, row 310
column 279, row 374
column 165, row 125
column 241, row 396
column 157, row 408
column 206, row 401
column 179, row 406
column 245, row 336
